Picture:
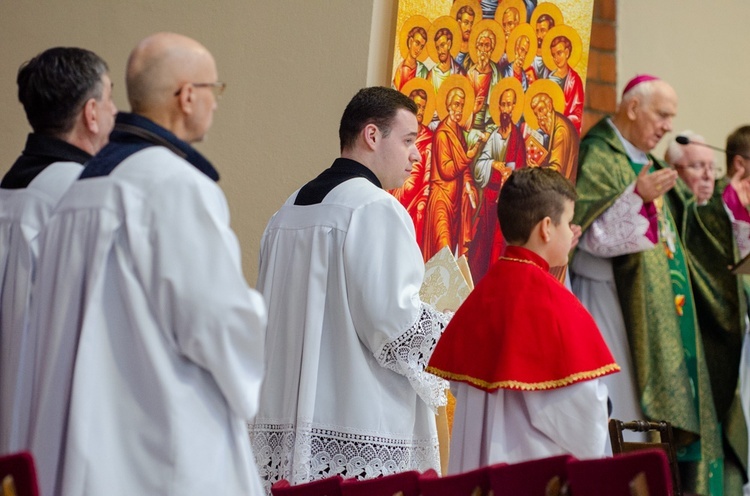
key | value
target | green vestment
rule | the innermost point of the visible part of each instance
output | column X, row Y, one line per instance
column 662, row 353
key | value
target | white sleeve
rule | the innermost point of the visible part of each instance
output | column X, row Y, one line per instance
column 621, row 229
column 574, row 417
column 384, row 271
column 741, row 232
column 200, row 295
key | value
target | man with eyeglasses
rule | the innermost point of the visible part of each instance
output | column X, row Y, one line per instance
column 67, row 96
column 152, row 340
column 714, row 226
column 631, row 271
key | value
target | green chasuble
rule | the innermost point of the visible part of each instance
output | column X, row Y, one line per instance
column 706, row 233
column 656, row 300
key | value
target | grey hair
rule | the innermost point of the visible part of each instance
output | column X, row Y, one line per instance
column 676, row 151
column 643, row 92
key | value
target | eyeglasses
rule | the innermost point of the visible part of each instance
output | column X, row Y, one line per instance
column 696, row 166
column 217, row 88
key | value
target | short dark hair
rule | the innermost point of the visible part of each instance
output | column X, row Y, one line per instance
column 54, row 85
column 464, row 10
column 416, row 30
column 738, row 143
column 418, row 92
column 529, row 195
column 548, row 18
column 564, row 40
column 444, row 32
column 374, row 105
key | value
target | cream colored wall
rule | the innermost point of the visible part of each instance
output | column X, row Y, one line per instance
column 291, row 67
column 699, row 48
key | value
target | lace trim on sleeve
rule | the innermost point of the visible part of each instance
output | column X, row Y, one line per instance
column 621, row 229
column 409, row 353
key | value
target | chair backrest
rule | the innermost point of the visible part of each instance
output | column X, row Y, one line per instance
column 665, row 443
column 324, row 487
column 18, row 475
column 473, row 483
column 543, row 477
column 401, row 484
column 622, row 475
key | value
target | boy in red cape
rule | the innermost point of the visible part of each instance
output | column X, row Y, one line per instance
column 522, row 354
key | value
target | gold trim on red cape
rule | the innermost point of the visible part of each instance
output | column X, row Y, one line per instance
column 521, row 329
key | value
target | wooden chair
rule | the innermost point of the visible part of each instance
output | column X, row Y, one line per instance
column 330, row 486
column 18, row 475
column 543, row 477
column 665, row 443
column 641, row 473
column 472, row 483
column 402, row 484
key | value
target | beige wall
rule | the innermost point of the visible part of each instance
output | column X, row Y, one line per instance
column 291, row 67
column 699, row 48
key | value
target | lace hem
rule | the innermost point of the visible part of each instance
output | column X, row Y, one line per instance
column 620, row 230
column 409, row 353
column 315, row 453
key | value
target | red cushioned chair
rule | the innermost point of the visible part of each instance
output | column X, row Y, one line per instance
column 620, row 475
column 543, row 477
column 473, row 483
column 324, row 487
column 403, row 484
column 18, row 475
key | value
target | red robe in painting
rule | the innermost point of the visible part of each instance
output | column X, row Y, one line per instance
column 413, row 194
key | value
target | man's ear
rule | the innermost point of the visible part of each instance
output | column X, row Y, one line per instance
column 545, row 229
column 90, row 116
column 371, row 135
column 737, row 164
column 631, row 108
column 185, row 98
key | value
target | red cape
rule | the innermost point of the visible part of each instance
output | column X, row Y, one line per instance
column 521, row 329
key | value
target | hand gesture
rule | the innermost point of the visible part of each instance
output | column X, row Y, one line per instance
column 741, row 186
column 651, row 185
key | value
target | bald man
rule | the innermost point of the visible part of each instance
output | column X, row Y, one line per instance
column 153, row 343
column 631, row 271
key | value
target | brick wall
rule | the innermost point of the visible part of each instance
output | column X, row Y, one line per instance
column 601, row 92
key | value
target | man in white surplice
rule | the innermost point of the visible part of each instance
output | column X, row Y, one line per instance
column 348, row 338
column 150, row 341
column 67, row 96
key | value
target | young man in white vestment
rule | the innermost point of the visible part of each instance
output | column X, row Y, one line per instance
column 151, row 342
column 348, row 337
column 67, row 96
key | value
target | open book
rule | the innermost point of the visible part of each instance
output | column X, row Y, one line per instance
column 445, row 285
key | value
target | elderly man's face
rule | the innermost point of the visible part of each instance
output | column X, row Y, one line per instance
column 484, row 50
column 456, row 107
column 544, row 111
column 697, row 168
column 522, row 49
column 509, row 21
column 652, row 117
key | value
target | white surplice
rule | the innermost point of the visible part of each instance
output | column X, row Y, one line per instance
column 348, row 339
column 509, row 426
column 150, row 341
column 23, row 213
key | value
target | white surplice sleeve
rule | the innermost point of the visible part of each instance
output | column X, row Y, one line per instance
column 384, row 271
column 200, row 296
column 622, row 229
column 574, row 417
